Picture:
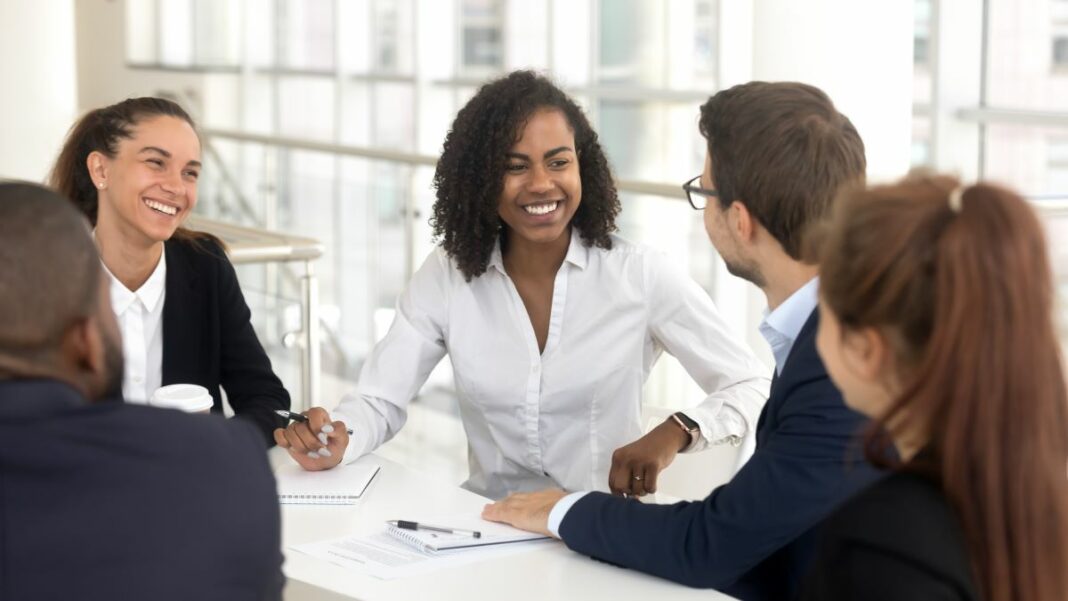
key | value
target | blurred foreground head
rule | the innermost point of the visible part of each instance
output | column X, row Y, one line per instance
column 55, row 313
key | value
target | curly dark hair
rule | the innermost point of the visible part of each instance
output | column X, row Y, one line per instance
column 470, row 174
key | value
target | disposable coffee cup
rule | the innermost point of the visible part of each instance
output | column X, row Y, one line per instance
column 185, row 397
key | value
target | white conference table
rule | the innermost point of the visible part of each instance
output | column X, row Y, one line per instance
column 549, row 572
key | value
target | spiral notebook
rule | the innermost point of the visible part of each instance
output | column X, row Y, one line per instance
column 342, row 485
column 493, row 533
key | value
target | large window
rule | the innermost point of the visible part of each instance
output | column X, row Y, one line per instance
column 1024, row 75
column 1059, row 19
column 923, row 49
column 387, row 76
column 481, row 36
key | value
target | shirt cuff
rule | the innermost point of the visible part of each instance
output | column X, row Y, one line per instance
column 559, row 511
column 727, row 426
column 355, row 449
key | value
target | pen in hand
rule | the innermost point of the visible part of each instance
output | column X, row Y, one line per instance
column 297, row 417
column 406, row 525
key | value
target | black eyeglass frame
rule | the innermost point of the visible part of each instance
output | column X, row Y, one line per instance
column 703, row 193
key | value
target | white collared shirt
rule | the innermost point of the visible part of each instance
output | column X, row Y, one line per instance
column 781, row 326
column 140, row 316
column 535, row 419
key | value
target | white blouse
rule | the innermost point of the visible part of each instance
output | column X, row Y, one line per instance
column 140, row 317
column 539, row 419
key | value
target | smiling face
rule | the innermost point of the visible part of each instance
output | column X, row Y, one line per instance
column 149, row 187
column 542, row 185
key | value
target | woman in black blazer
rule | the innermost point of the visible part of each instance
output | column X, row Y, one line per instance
column 937, row 322
column 132, row 168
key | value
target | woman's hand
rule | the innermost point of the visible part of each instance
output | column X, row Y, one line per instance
column 317, row 444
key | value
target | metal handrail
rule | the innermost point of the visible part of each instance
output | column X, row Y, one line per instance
column 1045, row 203
column 252, row 245
column 673, row 191
column 324, row 147
column 1013, row 116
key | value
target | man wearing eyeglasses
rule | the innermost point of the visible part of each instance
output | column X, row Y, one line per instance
column 777, row 155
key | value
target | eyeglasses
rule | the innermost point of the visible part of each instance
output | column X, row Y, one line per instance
column 697, row 195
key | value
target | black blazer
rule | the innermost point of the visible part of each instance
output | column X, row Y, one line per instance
column 897, row 540
column 750, row 538
column 115, row 501
column 208, row 337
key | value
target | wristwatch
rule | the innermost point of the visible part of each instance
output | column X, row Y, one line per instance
column 688, row 426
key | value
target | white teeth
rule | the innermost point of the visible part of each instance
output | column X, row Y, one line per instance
column 162, row 208
column 542, row 209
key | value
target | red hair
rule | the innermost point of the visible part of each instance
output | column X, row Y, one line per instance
column 959, row 282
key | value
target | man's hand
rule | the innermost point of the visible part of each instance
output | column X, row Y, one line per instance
column 316, row 444
column 526, row 511
column 635, row 467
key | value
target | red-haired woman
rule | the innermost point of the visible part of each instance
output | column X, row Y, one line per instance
column 937, row 321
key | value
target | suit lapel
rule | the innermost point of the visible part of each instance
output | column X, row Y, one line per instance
column 780, row 382
column 181, row 321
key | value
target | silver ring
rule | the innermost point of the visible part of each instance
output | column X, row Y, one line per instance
column 638, row 478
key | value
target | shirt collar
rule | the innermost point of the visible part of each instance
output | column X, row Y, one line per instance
column 782, row 326
column 789, row 317
column 578, row 254
column 149, row 293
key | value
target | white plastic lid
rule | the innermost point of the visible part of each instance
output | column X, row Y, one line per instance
column 186, row 397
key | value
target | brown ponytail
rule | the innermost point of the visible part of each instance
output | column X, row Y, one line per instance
column 962, row 288
column 101, row 130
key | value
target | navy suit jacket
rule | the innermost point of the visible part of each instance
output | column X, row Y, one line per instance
column 752, row 537
column 115, row 501
column 208, row 337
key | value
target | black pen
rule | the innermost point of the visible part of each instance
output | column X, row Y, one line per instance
column 297, row 417
column 405, row 525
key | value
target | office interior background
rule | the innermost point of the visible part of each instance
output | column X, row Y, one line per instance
column 323, row 119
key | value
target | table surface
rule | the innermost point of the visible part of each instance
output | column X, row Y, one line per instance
column 549, row 572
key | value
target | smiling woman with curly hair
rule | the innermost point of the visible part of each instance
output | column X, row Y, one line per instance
column 551, row 322
column 471, row 173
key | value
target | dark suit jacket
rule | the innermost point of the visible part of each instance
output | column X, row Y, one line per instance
column 208, row 337
column 751, row 537
column 115, row 501
column 898, row 539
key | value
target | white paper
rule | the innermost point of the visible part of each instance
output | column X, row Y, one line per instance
column 492, row 533
column 377, row 554
column 342, row 485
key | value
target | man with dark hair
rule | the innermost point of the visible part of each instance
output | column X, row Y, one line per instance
column 777, row 155
column 783, row 151
column 106, row 500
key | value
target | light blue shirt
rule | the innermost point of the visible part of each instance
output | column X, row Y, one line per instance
column 779, row 327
